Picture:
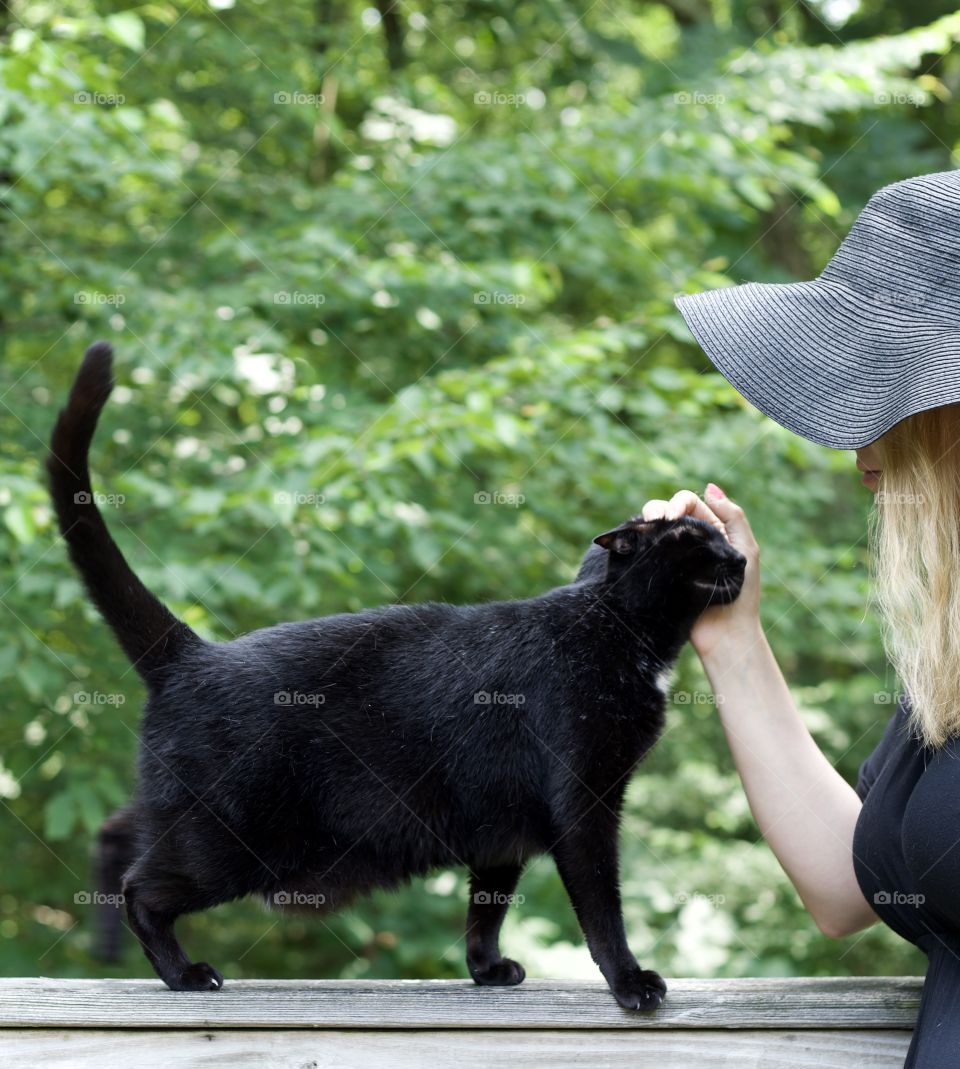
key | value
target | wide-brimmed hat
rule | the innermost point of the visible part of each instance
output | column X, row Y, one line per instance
column 874, row 339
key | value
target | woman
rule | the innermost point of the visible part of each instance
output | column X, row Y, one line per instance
column 866, row 357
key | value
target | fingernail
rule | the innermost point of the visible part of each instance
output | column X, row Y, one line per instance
column 715, row 490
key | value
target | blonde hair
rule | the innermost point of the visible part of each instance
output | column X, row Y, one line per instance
column 915, row 530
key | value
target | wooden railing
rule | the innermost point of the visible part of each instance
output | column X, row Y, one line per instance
column 862, row 1023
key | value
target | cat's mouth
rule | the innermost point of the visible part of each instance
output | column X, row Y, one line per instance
column 723, row 588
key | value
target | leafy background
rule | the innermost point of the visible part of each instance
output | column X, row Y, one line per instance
column 361, row 264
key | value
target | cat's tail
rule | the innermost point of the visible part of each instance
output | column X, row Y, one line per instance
column 151, row 636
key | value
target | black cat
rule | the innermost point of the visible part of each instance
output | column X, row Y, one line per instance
column 314, row 761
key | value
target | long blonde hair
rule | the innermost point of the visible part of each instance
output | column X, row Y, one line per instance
column 915, row 529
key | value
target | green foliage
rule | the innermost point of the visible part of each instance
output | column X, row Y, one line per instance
column 356, row 278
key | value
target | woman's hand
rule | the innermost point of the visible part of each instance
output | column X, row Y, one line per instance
column 740, row 620
column 804, row 808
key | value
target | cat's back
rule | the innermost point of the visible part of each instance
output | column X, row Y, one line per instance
column 395, row 655
column 430, row 702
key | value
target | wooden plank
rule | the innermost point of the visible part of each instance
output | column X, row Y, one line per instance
column 795, row 1003
column 665, row 1049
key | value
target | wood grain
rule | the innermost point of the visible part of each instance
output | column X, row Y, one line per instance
column 785, row 1004
column 468, row 1049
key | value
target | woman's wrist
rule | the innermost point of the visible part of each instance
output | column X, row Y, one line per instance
column 732, row 647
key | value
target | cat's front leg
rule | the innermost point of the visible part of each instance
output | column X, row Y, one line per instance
column 491, row 892
column 586, row 858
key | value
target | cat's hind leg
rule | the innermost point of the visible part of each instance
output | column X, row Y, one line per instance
column 491, row 892
column 115, row 853
column 155, row 897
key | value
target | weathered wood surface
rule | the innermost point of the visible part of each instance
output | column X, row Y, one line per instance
column 447, row 1049
column 819, row 1004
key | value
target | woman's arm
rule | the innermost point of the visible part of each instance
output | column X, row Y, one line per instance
column 805, row 810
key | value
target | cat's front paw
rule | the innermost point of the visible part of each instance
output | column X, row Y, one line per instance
column 502, row 973
column 640, row 989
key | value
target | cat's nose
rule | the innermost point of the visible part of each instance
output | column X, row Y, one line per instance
column 735, row 565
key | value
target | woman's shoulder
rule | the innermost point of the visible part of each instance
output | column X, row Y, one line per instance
column 896, row 735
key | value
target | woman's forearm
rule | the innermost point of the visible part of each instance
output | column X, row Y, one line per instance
column 806, row 811
column 804, row 808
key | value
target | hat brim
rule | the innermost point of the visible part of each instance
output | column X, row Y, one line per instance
column 828, row 364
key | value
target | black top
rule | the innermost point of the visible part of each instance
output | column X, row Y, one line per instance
column 906, row 855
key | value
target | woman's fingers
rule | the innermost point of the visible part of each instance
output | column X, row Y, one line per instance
column 687, row 503
column 654, row 509
column 683, row 503
column 732, row 516
column 714, row 508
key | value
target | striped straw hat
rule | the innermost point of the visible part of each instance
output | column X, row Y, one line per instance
column 875, row 338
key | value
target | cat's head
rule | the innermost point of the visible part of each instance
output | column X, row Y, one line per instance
column 686, row 560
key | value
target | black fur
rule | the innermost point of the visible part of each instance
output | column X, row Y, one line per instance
column 313, row 761
column 151, row 636
column 115, row 853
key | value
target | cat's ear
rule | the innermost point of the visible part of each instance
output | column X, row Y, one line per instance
column 615, row 541
column 627, row 537
column 622, row 540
